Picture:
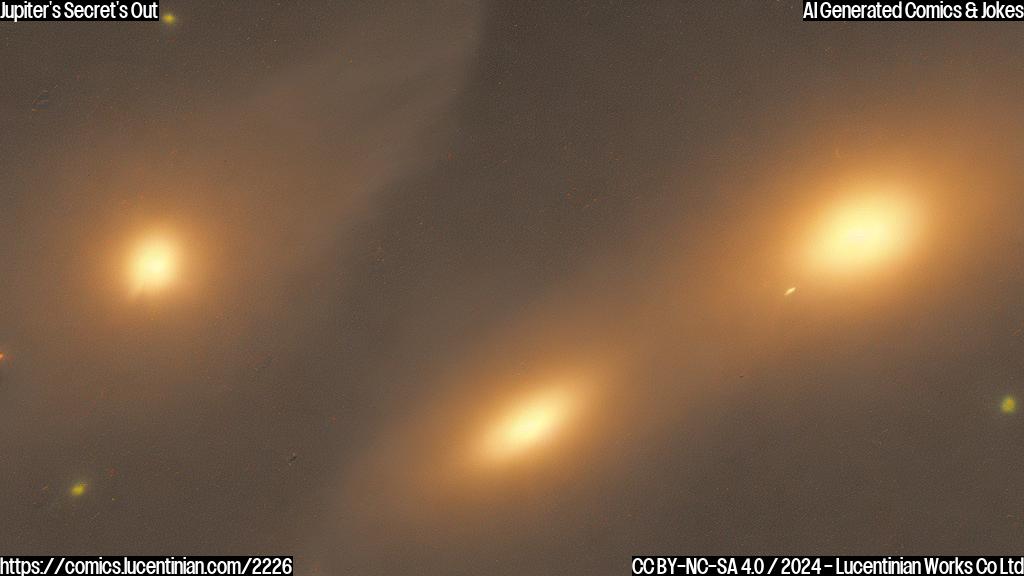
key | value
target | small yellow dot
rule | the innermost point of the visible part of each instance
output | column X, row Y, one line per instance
column 790, row 291
column 1008, row 405
column 169, row 18
column 78, row 489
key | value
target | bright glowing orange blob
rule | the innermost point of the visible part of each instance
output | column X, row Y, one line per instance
column 154, row 265
column 530, row 424
column 863, row 233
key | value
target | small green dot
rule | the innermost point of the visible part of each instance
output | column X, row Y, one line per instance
column 1008, row 405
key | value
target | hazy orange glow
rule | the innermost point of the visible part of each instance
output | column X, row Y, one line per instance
column 154, row 265
column 864, row 232
column 529, row 424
